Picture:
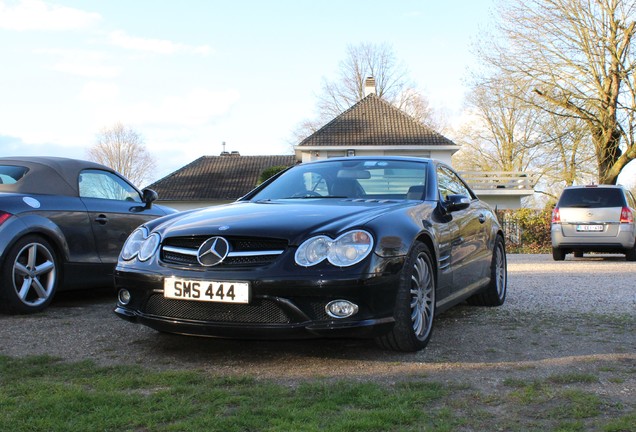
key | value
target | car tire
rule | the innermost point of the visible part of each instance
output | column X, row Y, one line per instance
column 495, row 292
column 30, row 276
column 415, row 303
column 558, row 254
column 630, row 255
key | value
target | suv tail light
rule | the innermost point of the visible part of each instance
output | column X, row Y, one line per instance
column 556, row 216
column 627, row 216
column 4, row 216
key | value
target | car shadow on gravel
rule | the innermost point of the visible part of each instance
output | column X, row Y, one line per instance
column 464, row 335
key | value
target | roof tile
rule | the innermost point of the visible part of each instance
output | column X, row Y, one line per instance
column 374, row 122
column 217, row 177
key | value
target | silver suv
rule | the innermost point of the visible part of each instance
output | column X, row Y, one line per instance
column 596, row 218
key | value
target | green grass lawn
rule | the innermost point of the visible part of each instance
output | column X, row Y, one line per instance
column 44, row 394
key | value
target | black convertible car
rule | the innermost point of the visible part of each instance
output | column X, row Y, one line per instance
column 349, row 247
column 62, row 225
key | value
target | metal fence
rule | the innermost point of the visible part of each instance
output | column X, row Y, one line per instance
column 512, row 232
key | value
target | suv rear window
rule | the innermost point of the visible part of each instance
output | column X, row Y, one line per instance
column 10, row 173
column 592, row 198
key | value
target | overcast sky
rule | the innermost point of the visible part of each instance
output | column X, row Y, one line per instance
column 190, row 75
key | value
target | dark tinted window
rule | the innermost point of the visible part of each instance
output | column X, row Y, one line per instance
column 11, row 174
column 592, row 198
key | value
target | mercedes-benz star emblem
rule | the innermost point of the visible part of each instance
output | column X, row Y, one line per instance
column 213, row 251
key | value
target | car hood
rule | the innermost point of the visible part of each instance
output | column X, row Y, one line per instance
column 288, row 219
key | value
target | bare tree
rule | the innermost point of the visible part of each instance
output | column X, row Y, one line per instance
column 579, row 59
column 508, row 134
column 122, row 149
column 362, row 61
column 391, row 84
column 417, row 106
column 503, row 131
column 304, row 129
column 567, row 156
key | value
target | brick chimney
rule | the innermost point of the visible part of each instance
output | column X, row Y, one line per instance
column 369, row 86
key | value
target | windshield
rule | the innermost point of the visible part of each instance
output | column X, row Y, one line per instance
column 354, row 178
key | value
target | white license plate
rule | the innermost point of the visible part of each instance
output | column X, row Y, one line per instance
column 207, row 291
column 589, row 227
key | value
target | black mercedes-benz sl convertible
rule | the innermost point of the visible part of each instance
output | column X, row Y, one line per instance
column 347, row 247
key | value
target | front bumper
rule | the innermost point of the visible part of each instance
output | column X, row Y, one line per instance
column 280, row 307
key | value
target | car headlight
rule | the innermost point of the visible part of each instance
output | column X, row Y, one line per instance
column 141, row 245
column 149, row 247
column 348, row 249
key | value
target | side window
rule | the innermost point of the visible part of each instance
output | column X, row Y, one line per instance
column 106, row 185
column 10, row 174
column 449, row 184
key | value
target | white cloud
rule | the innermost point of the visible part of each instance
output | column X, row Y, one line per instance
column 87, row 70
column 197, row 108
column 11, row 146
column 99, row 92
column 83, row 63
column 158, row 46
column 39, row 15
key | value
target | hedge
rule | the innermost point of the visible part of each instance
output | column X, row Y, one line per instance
column 527, row 230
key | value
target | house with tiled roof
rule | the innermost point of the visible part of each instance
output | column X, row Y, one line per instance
column 213, row 180
column 375, row 127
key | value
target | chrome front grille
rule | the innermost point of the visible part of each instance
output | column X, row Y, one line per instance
column 244, row 251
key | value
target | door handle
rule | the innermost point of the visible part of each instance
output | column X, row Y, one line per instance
column 101, row 219
column 457, row 241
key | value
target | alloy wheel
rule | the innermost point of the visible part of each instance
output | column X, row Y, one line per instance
column 422, row 297
column 500, row 269
column 34, row 274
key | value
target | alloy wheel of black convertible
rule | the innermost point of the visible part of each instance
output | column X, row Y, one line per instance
column 29, row 276
column 494, row 294
column 415, row 305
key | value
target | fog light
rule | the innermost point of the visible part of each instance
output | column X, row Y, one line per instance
column 124, row 296
column 341, row 309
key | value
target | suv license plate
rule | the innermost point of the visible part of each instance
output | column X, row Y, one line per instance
column 589, row 227
column 206, row 291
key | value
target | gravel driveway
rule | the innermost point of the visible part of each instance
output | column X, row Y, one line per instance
column 576, row 315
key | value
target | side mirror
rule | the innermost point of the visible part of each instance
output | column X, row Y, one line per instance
column 148, row 196
column 456, row 202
